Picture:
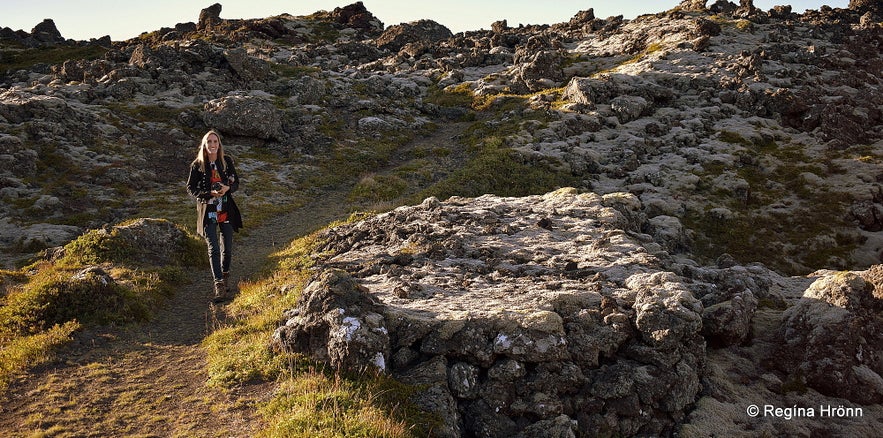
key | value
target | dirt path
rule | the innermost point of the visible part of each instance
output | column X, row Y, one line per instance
column 149, row 380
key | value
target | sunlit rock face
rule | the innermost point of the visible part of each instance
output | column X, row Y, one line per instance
column 518, row 311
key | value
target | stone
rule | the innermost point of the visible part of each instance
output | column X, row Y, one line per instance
column 832, row 336
column 541, row 70
column 863, row 6
column 424, row 31
column 868, row 214
column 334, row 322
column 583, row 17
column 46, row 32
column 244, row 115
column 729, row 322
column 37, row 235
column 247, row 67
column 358, row 17
column 692, row 5
column 209, row 17
column 499, row 321
column 561, row 426
column 629, row 108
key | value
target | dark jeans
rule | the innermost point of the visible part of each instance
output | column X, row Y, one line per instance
column 219, row 253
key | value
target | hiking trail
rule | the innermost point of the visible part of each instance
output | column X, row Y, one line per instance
column 150, row 379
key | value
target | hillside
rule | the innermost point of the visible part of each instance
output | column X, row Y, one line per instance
column 723, row 177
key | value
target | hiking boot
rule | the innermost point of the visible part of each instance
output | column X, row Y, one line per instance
column 232, row 285
column 220, row 293
column 226, row 280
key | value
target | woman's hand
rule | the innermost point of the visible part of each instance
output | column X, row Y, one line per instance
column 218, row 193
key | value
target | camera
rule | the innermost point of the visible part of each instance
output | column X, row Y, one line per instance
column 216, row 187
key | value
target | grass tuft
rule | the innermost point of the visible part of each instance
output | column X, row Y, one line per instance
column 44, row 303
column 19, row 353
column 310, row 400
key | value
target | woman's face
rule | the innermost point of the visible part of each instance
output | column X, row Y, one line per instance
column 212, row 144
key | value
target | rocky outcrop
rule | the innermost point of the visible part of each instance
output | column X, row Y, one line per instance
column 337, row 322
column 36, row 237
column 693, row 5
column 520, row 313
column 516, row 315
column 244, row 115
column 394, row 38
column 141, row 242
column 46, row 32
column 833, row 336
column 247, row 68
column 356, row 16
column 209, row 17
column 864, row 6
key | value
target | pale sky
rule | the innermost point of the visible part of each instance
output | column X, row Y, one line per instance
column 124, row 19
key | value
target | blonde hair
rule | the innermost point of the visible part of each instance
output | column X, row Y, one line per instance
column 202, row 154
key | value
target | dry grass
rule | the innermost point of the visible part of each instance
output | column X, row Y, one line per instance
column 308, row 401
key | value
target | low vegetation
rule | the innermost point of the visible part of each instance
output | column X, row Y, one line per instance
column 97, row 282
column 17, row 58
column 494, row 167
column 309, row 399
column 502, row 171
column 774, row 173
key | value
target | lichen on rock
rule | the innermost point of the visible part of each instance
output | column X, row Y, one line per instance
column 533, row 310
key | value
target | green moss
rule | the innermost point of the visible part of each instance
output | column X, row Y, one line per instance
column 493, row 167
column 733, row 138
column 774, row 172
column 459, row 96
column 501, row 171
column 500, row 102
column 744, row 25
column 97, row 246
column 795, row 383
column 324, row 31
column 349, row 159
column 378, row 188
column 10, row 277
column 572, row 59
column 109, row 246
column 771, row 303
column 54, row 297
column 51, row 161
column 753, row 235
column 18, row 58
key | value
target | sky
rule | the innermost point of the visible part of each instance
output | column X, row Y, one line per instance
column 124, row 19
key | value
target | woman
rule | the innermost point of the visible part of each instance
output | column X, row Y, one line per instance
column 212, row 181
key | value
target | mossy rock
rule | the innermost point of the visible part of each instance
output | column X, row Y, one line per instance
column 141, row 242
column 89, row 296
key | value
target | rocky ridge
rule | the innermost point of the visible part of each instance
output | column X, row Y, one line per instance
column 746, row 126
column 522, row 316
column 702, row 139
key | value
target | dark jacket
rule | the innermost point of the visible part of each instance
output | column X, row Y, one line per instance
column 199, row 187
